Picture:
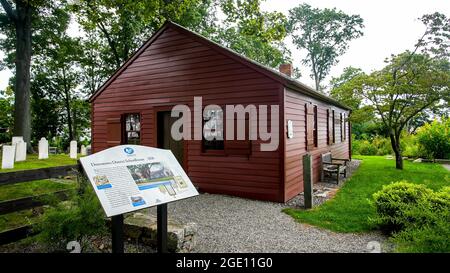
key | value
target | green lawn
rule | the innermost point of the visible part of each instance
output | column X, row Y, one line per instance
column 350, row 209
column 17, row 219
column 32, row 188
column 33, row 162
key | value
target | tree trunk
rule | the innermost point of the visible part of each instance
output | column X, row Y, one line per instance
column 395, row 143
column 69, row 115
column 22, row 111
column 67, row 98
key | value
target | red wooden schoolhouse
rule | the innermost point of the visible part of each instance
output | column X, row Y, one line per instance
column 174, row 66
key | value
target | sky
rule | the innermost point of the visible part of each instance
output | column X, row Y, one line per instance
column 391, row 27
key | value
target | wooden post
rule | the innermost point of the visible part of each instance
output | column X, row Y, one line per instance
column 307, row 181
column 117, row 233
column 162, row 228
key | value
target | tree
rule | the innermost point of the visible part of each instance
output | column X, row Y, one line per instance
column 20, row 17
column 412, row 82
column 252, row 32
column 408, row 85
column 324, row 34
column 123, row 25
column 6, row 118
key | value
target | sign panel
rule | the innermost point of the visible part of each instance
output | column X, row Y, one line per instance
column 131, row 177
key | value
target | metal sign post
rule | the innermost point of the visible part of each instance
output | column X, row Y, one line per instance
column 117, row 233
column 162, row 228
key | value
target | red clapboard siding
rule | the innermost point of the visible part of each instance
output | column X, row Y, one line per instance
column 174, row 69
column 295, row 148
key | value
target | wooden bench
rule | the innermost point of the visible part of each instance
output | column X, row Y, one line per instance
column 332, row 166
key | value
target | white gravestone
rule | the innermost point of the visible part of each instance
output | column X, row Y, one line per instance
column 83, row 150
column 73, row 149
column 43, row 148
column 8, row 154
column 16, row 139
column 21, row 151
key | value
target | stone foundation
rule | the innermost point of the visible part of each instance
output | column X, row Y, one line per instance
column 143, row 229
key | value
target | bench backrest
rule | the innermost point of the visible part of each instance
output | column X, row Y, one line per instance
column 326, row 157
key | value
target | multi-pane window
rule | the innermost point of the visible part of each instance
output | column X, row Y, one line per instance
column 132, row 126
column 213, row 132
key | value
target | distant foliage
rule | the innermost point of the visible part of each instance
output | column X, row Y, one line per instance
column 434, row 139
column 417, row 217
column 377, row 145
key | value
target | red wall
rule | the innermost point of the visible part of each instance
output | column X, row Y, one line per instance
column 172, row 70
column 295, row 147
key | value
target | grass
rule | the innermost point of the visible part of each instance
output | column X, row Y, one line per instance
column 17, row 219
column 33, row 162
column 25, row 189
column 350, row 209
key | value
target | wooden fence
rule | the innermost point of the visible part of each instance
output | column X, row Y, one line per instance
column 9, row 206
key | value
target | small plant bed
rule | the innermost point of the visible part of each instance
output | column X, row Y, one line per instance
column 350, row 209
column 33, row 162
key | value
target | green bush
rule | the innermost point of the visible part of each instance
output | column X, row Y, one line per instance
column 394, row 203
column 417, row 217
column 427, row 239
column 434, row 139
column 376, row 146
column 410, row 146
column 73, row 220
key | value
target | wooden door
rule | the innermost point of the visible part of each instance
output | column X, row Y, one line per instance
column 165, row 140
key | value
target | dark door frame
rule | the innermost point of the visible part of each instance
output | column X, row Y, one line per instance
column 168, row 108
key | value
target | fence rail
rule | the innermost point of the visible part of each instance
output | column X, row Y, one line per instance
column 32, row 201
column 36, row 174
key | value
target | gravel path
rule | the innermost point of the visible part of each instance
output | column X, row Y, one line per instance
column 232, row 224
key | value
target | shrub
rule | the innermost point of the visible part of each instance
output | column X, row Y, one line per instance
column 427, row 239
column 394, row 202
column 376, row 146
column 417, row 217
column 410, row 146
column 434, row 139
column 74, row 220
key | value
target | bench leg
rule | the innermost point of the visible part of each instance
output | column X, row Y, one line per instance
column 337, row 177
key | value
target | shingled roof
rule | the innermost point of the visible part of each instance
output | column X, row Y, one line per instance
column 267, row 71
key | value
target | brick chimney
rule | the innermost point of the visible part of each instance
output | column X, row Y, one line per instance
column 286, row 69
